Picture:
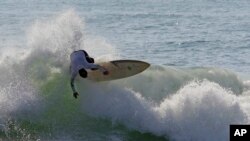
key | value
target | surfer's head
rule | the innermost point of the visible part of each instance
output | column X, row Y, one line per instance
column 83, row 73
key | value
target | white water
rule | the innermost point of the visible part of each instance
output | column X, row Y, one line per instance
column 196, row 111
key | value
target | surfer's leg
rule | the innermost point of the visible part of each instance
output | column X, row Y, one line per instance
column 94, row 69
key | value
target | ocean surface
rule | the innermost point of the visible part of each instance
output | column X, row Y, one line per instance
column 198, row 83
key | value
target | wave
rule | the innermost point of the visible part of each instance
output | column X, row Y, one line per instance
column 205, row 107
column 189, row 111
column 165, row 81
column 175, row 103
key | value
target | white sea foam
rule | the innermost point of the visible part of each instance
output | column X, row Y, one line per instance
column 198, row 111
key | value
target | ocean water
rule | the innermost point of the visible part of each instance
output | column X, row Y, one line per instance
column 198, row 83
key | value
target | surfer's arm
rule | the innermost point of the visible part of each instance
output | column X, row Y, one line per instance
column 72, row 84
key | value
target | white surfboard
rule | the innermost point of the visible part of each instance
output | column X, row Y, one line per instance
column 118, row 69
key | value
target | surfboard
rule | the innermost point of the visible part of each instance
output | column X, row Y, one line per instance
column 118, row 69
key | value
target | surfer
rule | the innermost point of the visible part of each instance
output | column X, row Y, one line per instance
column 80, row 61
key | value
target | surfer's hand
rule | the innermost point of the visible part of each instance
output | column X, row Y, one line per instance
column 75, row 94
column 105, row 72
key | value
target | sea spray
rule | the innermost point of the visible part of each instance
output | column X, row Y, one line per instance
column 35, row 91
